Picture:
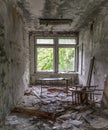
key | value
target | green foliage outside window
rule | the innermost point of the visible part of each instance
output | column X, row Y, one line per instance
column 44, row 59
column 66, row 59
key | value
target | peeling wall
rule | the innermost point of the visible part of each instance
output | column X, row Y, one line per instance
column 93, row 41
column 14, row 65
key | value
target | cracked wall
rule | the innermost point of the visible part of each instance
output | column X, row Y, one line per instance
column 14, row 56
column 93, row 40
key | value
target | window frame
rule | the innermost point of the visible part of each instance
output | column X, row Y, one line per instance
column 55, row 47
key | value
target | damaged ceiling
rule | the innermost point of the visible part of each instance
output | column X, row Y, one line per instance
column 80, row 11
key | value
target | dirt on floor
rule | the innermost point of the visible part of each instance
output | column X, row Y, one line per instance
column 53, row 109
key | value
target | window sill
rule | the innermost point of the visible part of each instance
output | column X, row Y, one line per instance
column 53, row 73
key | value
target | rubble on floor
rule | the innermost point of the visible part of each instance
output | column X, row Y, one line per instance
column 54, row 111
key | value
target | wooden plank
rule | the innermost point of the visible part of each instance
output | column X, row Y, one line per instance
column 33, row 112
column 90, row 71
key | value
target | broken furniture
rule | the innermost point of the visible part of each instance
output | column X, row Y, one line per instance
column 82, row 94
column 43, row 80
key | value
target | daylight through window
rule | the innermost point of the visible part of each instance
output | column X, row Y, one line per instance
column 55, row 54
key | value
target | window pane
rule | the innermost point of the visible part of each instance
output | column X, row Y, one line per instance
column 67, row 41
column 44, row 59
column 66, row 59
column 44, row 41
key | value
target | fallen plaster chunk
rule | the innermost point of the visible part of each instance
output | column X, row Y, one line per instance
column 63, row 126
column 74, row 115
column 86, row 113
column 11, row 120
column 76, row 123
column 65, row 117
column 68, row 124
column 46, row 127
column 56, row 127
column 99, row 123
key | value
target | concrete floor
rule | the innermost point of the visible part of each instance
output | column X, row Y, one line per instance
column 67, row 115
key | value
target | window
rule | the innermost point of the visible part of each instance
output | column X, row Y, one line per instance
column 55, row 54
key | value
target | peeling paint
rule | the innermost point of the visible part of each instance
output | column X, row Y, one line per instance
column 13, row 58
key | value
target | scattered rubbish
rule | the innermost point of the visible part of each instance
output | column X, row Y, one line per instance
column 53, row 90
column 91, row 128
column 86, row 120
column 54, row 110
column 76, row 123
column 75, row 116
column 11, row 120
column 99, row 122
column 65, row 117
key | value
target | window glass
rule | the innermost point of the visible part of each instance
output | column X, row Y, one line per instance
column 67, row 41
column 51, row 57
column 44, row 41
column 45, row 59
column 66, row 59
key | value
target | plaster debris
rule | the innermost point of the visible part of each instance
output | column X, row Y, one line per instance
column 54, row 114
column 11, row 120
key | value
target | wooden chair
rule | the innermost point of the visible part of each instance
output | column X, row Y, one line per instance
column 83, row 94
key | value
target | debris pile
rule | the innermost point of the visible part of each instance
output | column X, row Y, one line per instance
column 54, row 111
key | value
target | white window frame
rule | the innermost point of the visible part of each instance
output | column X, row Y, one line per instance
column 55, row 46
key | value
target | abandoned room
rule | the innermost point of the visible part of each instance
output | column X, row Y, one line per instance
column 53, row 64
